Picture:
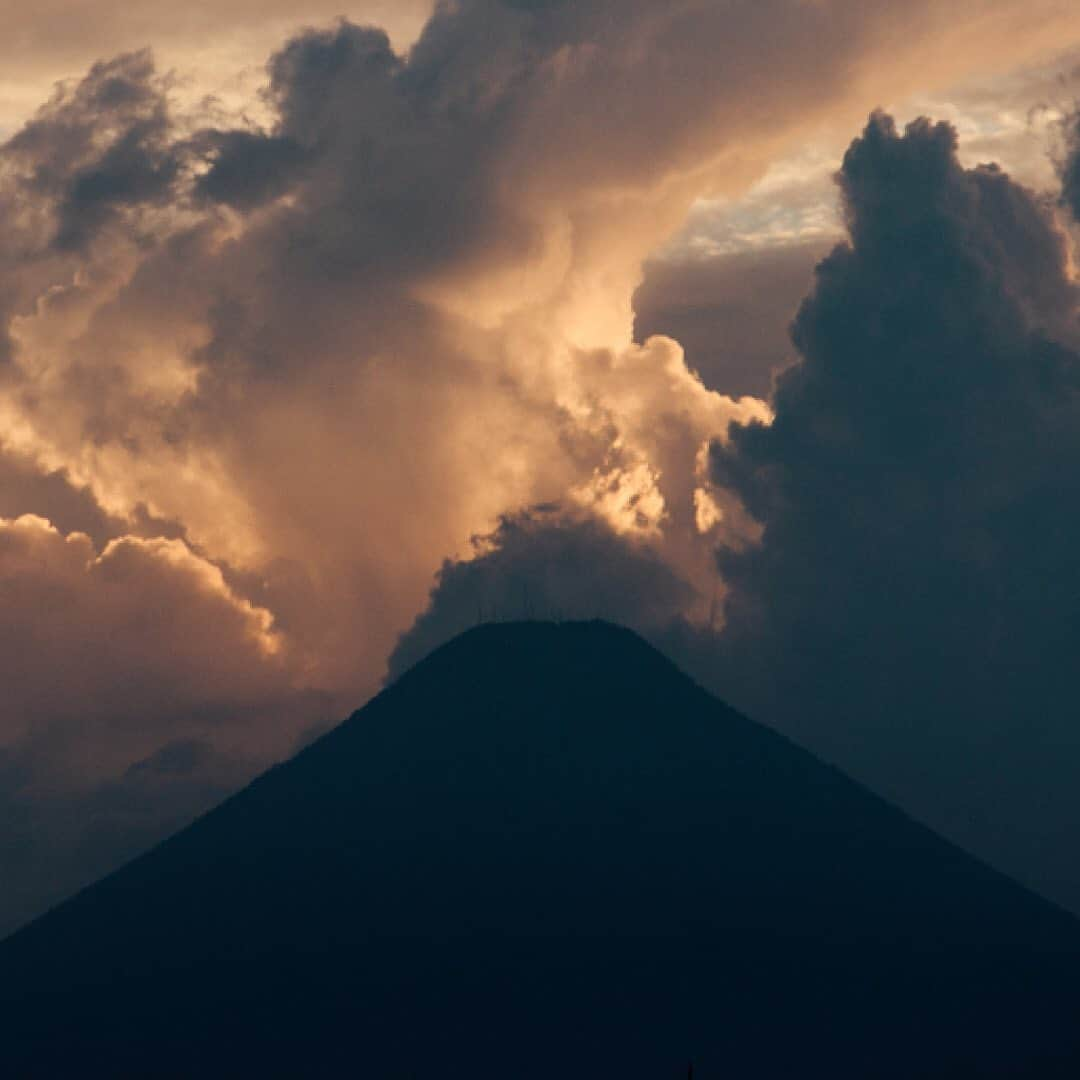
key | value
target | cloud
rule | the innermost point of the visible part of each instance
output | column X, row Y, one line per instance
column 359, row 301
column 546, row 563
column 730, row 313
column 146, row 624
column 1070, row 170
column 247, row 169
column 414, row 257
column 911, row 608
column 138, row 688
column 87, row 171
column 26, row 489
column 216, row 46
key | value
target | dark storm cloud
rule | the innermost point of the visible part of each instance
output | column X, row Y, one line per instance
column 731, row 313
column 1070, row 170
column 97, row 154
column 913, row 608
column 546, row 564
column 99, row 147
column 395, row 179
column 505, row 123
column 387, row 183
column 248, row 168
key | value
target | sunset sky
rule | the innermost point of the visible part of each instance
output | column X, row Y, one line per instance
column 328, row 331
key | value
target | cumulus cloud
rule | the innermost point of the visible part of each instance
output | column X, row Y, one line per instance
column 547, row 563
column 124, row 667
column 141, row 611
column 911, row 608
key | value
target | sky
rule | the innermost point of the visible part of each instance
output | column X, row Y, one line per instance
column 326, row 333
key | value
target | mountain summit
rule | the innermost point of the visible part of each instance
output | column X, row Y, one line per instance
column 546, row 853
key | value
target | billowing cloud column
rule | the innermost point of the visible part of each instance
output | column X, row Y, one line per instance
column 911, row 608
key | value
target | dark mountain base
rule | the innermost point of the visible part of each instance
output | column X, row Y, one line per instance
column 546, row 853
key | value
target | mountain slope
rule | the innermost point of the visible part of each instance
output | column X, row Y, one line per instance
column 544, row 852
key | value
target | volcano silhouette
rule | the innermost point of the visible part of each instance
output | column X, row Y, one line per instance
column 544, row 852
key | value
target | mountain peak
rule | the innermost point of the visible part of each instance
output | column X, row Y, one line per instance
column 534, row 642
